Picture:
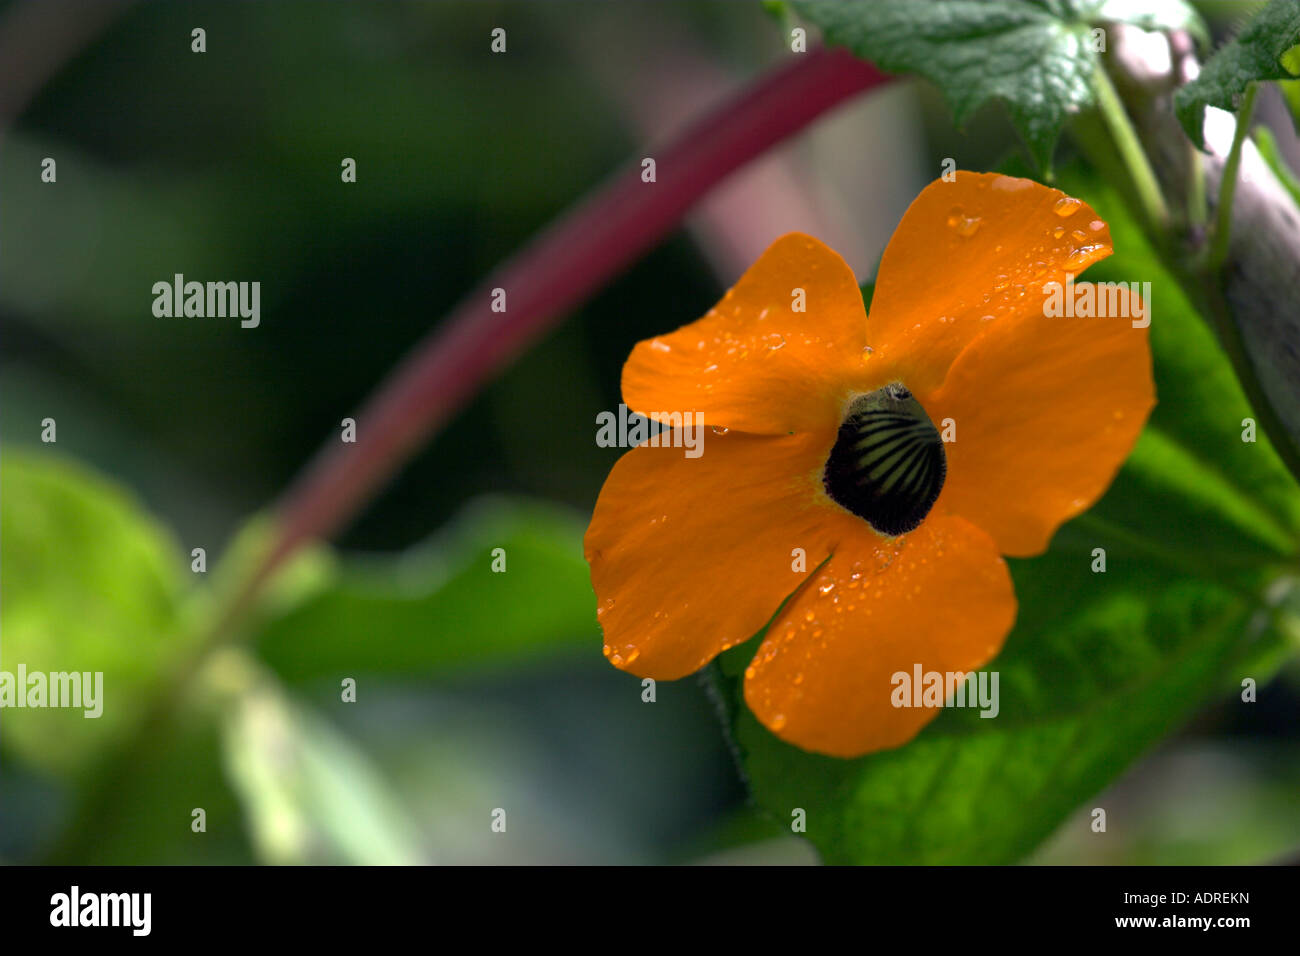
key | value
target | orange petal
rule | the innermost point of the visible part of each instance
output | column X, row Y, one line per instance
column 753, row 364
column 939, row 597
column 966, row 252
column 1045, row 412
column 691, row 556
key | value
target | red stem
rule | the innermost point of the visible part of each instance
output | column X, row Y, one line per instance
column 554, row 272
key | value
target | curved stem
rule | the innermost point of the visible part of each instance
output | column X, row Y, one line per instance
column 1131, row 152
column 556, row 271
column 1218, row 252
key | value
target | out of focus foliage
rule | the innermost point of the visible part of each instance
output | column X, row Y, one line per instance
column 477, row 690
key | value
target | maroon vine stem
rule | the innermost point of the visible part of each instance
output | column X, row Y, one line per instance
column 557, row 270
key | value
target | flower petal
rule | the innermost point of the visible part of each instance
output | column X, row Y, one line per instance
column 966, row 252
column 940, row 597
column 754, row 364
column 690, row 556
column 1046, row 410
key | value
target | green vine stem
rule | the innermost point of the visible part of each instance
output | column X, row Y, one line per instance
column 1126, row 141
column 1217, row 253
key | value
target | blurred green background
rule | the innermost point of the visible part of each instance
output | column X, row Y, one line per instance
column 225, row 166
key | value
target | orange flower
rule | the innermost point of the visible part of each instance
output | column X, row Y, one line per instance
column 902, row 454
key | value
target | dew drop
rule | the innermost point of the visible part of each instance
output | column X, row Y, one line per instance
column 1058, row 232
column 1080, row 257
column 1066, row 206
column 1010, row 184
column 719, row 430
column 778, row 722
column 659, row 346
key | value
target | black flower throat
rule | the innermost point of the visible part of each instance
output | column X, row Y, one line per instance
column 888, row 463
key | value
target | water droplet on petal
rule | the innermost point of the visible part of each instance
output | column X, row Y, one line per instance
column 1066, row 206
column 719, row 430
column 1010, row 184
column 1080, row 257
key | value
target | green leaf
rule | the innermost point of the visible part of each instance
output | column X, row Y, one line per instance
column 91, row 584
column 1036, row 57
column 1100, row 666
column 1259, row 52
column 310, row 797
column 442, row 608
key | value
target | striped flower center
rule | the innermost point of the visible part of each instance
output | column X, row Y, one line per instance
column 888, row 463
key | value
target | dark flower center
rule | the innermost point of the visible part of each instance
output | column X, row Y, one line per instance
column 888, row 463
